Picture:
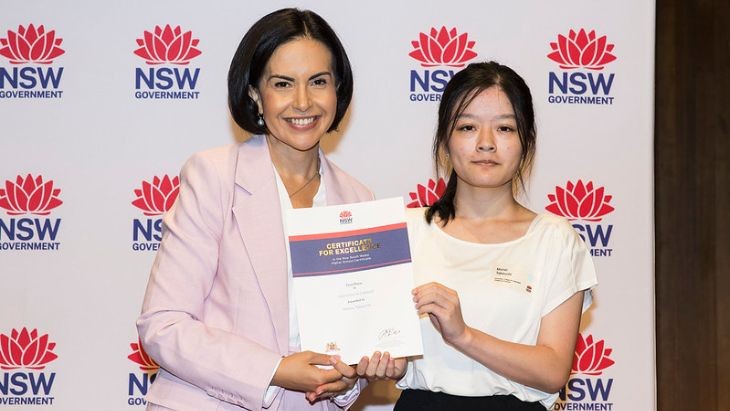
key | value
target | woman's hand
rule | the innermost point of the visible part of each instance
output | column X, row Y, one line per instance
column 442, row 306
column 299, row 372
column 379, row 367
column 334, row 388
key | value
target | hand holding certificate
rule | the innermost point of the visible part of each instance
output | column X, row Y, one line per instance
column 353, row 278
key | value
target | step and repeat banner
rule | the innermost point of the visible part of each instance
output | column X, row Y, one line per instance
column 102, row 102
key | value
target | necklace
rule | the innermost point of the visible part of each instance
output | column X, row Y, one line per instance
column 307, row 182
column 304, row 185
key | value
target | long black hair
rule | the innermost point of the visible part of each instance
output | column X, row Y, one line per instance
column 458, row 94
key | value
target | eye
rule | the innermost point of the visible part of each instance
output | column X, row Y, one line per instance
column 320, row 82
column 506, row 129
column 465, row 127
column 281, row 84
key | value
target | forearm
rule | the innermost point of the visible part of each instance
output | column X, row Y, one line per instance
column 535, row 366
column 226, row 366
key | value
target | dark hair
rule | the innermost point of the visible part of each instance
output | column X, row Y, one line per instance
column 458, row 94
column 256, row 48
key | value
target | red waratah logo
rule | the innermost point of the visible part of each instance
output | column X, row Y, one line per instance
column 443, row 47
column 140, row 356
column 29, row 195
column 31, row 45
column 168, row 45
column 157, row 197
column 580, row 202
column 24, row 349
column 345, row 214
column 582, row 49
column 425, row 196
column 590, row 357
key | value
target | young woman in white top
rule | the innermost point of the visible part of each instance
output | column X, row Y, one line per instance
column 501, row 288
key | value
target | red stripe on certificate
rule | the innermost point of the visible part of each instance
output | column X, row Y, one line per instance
column 350, row 233
column 345, row 270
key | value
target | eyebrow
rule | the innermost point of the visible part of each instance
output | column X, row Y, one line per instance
column 499, row 117
column 283, row 77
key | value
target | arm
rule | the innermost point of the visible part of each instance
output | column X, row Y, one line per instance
column 225, row 365
column 544, row 366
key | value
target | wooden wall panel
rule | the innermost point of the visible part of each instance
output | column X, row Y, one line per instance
column 692, row 177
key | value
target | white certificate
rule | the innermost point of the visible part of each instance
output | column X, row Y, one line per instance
column 353, row 278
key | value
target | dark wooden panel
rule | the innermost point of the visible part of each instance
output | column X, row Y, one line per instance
column 692, row 204
column 721, row 129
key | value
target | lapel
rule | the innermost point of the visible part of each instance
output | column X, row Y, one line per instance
column 258, row 215
column 335, row 191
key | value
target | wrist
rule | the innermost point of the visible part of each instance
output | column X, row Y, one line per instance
column 278, row 370
column 464, row 339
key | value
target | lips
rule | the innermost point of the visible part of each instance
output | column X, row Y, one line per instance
column 302, row 121
column 486, row 162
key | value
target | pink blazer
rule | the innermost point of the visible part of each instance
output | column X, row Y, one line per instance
column 216, row 312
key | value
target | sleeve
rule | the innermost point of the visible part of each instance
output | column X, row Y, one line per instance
column 347, row 399
column 226, row 366
column 272, row 391
column 574, row 271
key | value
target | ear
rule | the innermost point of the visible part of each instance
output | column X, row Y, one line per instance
column 255, row 96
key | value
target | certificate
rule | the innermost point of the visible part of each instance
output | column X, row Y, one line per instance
column 353, row 277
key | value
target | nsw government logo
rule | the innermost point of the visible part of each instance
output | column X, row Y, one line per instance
column 581, row 56
column 139, row 382
column 165, row 51
column 587, row 389
column 23, row 357
column 440, row 52
column 28, row 201
column 583, row 201
column 425, row 196
column 153, row 199
column 31, row 50
column 346, row 217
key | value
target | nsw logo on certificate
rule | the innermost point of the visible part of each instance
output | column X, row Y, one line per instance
column 353, row 277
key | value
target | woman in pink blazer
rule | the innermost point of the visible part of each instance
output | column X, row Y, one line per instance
column 217, row 315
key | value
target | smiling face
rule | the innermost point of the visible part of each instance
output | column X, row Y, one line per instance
column 297, row 93
column 485, row 147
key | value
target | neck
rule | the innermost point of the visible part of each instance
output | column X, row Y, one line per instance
column 485, row 203
column 293, row 163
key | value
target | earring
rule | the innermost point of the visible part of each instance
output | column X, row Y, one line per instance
column 260, row 121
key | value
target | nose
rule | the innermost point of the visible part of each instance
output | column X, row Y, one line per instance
column 485, row 142
column 302, row 99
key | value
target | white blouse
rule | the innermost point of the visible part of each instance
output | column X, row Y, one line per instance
column 504, row 289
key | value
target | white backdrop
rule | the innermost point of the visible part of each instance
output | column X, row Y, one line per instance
column 75, row 251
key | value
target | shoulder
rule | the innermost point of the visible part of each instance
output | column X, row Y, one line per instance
column 216, row 157
column 416, row 215
column 558, row 230
column 416, row 222
column 211, row 172
column 224, row 160
column 553, row 222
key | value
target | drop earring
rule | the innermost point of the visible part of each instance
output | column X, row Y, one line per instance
column 260, row 121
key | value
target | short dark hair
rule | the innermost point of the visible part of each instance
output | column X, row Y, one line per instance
column 458, row 94
column 256, row 48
